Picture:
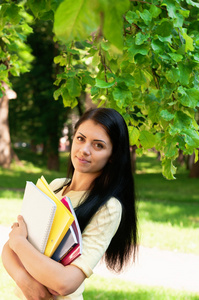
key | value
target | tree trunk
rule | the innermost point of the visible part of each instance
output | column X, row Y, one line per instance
column 5, row 142
column 194, row 172
column 53, row 162
column 190, row 161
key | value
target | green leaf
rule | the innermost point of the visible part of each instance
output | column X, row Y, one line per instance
column 181, row 122
column 172, row 75
column 147, row 139
column 75, row 20
column 141, row 38
column 155, row 11
column 120, row 96
column 196, row 155
column 189, row 42
column 94, row 90
column 74, row 87
column 96, row 59
column 13, row 13
column 113, row 21
column 26, row 28
column 57, row 93
column 6, row 41
column 134, row 135
column 132, row 17
column 38, row 6
column 157, row 46
column 164, row 29
column 166, row 115
column 140, row 78
column 170, row 149
column 103, row 84
column 189, row 97
column 87, row 79
column 171, row 7
column 168, row 169
column 190, row 2
column 191, row 137
column 185, row 73
column 173, row 12
column 153, row 112
column 176, row 57
column 184, row 13
column 60, row 60
column 14, row 71
column 146, row 16
column 2, row 67
column 68, row 101
column 135, row 49
column 105, row 46
column 128, row 79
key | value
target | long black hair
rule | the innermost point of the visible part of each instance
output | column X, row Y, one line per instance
column 115, row 180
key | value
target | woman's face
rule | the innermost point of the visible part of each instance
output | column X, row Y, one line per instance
column 91, row 148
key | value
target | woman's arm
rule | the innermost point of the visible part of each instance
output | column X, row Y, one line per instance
column 63, row 280
column 29, row 287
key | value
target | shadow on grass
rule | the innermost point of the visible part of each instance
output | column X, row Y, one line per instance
column 156, row 187
column 32, row 166
column 168, row 201
column 180, row 214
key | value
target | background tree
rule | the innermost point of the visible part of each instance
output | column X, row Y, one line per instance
column 15, row 58
column 35, row 117
column 138, row 57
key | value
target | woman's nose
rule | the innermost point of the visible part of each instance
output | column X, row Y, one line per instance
column 85, row 149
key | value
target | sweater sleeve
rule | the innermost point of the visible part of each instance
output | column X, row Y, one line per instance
column 98, row 234
column 57, row 183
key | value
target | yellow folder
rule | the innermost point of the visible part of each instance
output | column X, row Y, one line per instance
column 62, row 219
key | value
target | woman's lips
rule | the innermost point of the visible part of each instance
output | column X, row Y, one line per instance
column 82, row 160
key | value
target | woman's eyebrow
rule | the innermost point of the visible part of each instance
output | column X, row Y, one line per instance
column 100, row 141
column 82, row 134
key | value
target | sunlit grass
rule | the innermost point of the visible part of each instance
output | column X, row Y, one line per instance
column 9, row 210
column 114, row 289
column 169, row 237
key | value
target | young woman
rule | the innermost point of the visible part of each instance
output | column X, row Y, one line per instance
column 101, row 190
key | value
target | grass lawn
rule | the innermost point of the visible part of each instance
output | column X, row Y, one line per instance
column 168, row 214
column 100, row 288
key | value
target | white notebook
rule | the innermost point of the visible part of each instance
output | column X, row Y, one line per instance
column 38, row 211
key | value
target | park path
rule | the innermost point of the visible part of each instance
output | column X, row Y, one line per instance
column 153, row 267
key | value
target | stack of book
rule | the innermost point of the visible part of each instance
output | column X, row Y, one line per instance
column 52, row 225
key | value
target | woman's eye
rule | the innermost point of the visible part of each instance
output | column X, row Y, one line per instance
column 98, row 146
column 80, row 138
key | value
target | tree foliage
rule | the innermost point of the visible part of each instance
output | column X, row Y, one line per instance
column 139, row 57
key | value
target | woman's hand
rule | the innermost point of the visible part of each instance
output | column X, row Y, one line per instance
column 19, row 231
